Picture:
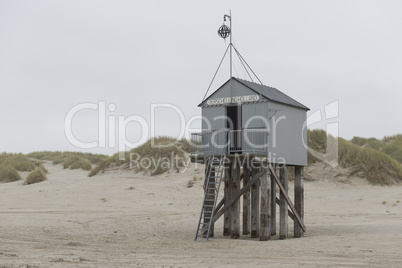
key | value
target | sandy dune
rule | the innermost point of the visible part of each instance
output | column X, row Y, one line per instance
column 121, row 219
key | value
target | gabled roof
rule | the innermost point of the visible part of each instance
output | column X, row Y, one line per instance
column 269, row 93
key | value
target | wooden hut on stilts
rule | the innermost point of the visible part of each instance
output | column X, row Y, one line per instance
column 251, row 135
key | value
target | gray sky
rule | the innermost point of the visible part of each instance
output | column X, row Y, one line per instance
column 57, row 54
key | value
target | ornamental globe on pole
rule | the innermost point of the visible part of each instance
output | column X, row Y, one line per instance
column 224, row 31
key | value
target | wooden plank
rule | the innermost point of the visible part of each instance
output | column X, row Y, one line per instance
column 235, row 208
column 299, row 200
column 283, row 207
column 219, row 205
column 289, row 212
column 302, row 194
column 227, row 196
column 265, row 215
column 255, row 207
column 239, row 194
column 288, row 200
column 246, row 201
column 273, row 201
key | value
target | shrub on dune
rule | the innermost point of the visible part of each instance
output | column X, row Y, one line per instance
column 61, row 157
column 9, row 174
column 100, row 167
column 154, row 160
column 76, row 162
column 38, row 175
column 42, row 168
column 375, row 160
column 156, row 149
column 19, row 161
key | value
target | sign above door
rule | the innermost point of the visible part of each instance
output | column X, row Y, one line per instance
column 232, row 100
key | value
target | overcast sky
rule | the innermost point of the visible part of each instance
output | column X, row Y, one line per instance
column 55, row 55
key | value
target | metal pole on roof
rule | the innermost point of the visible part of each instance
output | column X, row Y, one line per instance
column 231, row 44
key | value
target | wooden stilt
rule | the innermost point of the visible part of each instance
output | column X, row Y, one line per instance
column 302, row 194
column 255, row 207
column 210, row 202
column 299, row 200
column 283, row 217
column 227, row 195
column 239, row 194
column 265, row 217
column 246, row 201
column 293, row 213
column 235, row 209
column 273, row 203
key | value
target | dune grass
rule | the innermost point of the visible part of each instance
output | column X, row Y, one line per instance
column 61, row 156
column 100, row 167
column 18, row 161
column 36, row 176
column 154, row 156
column 9, row 174
column 71, row 160
column 42, row 168
column 76, row 162
column 390, row 145
column 365, row 157
column 161, row 149
column 379, row 161
column 191, row 183
column 11, row 163
column 185, row 145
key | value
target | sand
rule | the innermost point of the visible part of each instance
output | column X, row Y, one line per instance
column 122, row 219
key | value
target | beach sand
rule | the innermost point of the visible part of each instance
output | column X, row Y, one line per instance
column 123, row 219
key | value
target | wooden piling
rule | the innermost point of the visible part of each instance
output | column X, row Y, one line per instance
column 265, row 215
column 273, row 203
column 253, row 179
column 235, row 209
column 283, row 210
column 294, row 215
column 255, row 207
column 246, row 201
column 299, row 199
column 227, row 195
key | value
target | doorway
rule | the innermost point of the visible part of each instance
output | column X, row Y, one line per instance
column 234, row 120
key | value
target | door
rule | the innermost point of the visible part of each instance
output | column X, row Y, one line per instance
column 234, row 124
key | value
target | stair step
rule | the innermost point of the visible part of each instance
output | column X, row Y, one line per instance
column 215, row 177
column 215, row 173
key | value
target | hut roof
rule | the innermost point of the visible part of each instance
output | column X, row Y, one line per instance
column 267, row 92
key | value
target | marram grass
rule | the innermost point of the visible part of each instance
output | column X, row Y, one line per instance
column 9, row 174
column 363, row 156
column 36, row 176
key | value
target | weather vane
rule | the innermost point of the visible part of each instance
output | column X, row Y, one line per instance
column 224, row 31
